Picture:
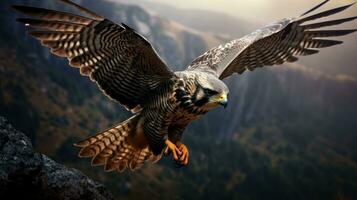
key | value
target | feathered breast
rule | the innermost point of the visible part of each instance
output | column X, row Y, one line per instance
column 183, row 94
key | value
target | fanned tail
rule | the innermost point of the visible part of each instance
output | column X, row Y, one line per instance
column 120, row 147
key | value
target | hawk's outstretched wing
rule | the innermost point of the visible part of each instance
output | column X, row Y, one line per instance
column 123, row 63
column 274, row 44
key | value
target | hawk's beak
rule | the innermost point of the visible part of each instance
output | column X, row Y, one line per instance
column 223, row 100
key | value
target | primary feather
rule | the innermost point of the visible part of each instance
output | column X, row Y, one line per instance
column 273, row 44
column 114, row 56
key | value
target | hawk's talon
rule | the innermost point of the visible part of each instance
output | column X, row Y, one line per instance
column 185, row 155
column 171, row 147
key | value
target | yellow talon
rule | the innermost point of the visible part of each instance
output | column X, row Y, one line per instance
column 173, row 148
column 185, row 155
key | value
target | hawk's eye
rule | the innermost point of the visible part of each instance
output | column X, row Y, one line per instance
column 211, row 92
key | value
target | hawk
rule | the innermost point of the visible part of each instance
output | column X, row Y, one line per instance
column 128, row 70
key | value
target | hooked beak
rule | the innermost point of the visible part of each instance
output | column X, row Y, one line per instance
column 223, row 100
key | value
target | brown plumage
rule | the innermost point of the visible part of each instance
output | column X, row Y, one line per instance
column 127, row 69
column 118, row 147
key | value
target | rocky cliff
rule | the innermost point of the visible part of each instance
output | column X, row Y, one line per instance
column 25, row 174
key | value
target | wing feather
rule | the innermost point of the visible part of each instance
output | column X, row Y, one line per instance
column 315, row 8
column 42, row 13
column 122, row 62
column 52, row 25
column 325, row 13
column 273, row 44
column 328, row 23
column 328, row 33
column 320, row 43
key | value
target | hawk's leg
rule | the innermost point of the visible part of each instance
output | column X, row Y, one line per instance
column 174, row 137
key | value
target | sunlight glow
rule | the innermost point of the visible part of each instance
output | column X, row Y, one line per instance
column 257, row 10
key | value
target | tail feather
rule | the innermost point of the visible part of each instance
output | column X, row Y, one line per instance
column 116, row 148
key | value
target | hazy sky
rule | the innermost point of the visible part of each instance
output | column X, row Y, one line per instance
column 258, row 10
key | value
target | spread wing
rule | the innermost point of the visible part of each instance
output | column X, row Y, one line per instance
column 273, row 44
column 123, row 63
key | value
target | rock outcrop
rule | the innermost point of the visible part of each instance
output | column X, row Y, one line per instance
column 25, row 174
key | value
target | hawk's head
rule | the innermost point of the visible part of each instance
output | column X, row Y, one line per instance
column 210, row 91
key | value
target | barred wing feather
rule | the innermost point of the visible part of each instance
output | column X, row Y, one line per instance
column 119, row 60
column 273, row 44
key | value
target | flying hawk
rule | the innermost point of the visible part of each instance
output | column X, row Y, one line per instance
column 128, row 70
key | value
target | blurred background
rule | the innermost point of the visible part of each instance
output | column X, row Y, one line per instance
column 289, row 132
